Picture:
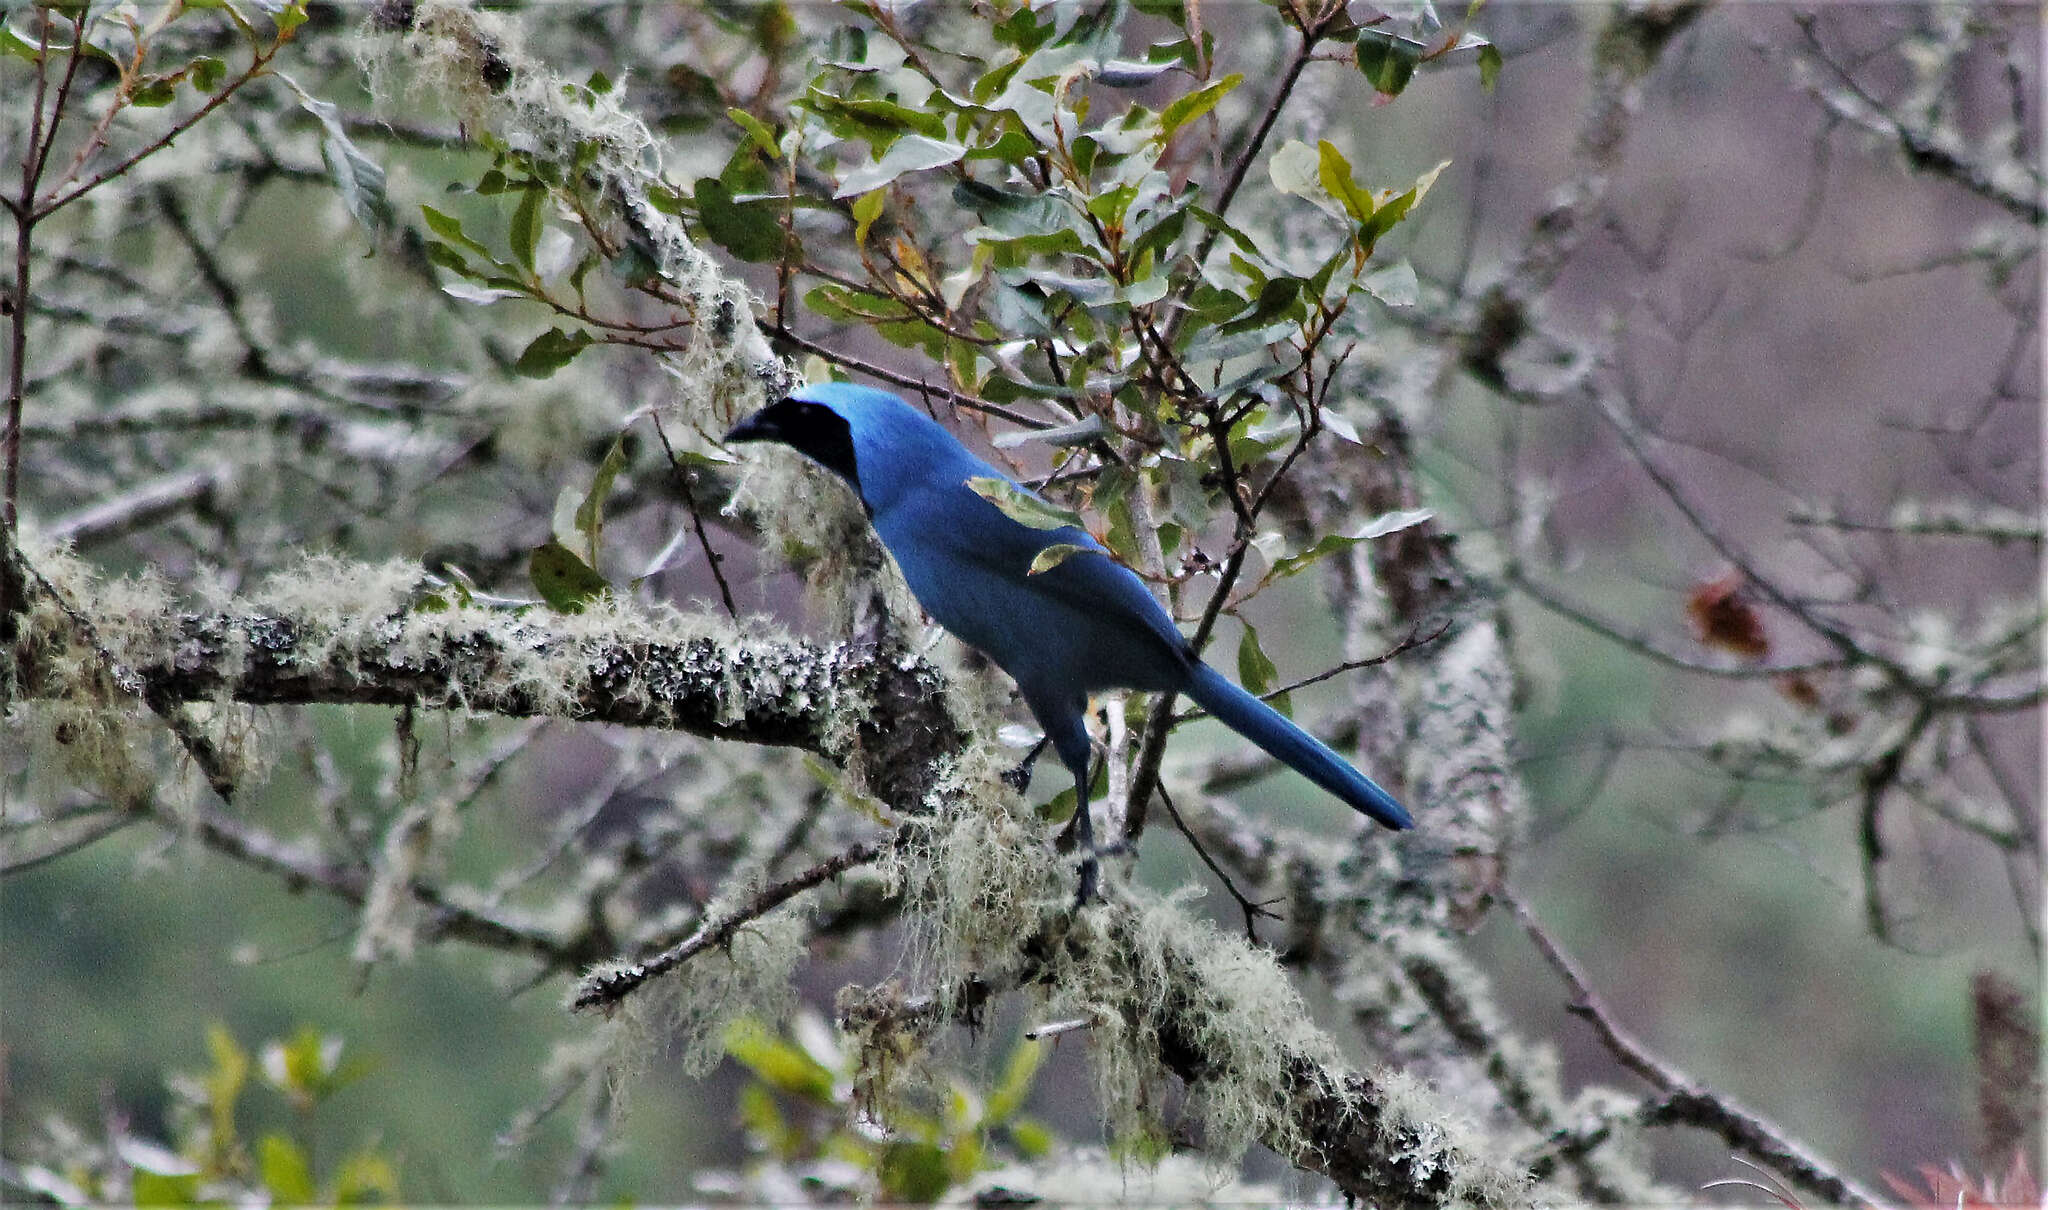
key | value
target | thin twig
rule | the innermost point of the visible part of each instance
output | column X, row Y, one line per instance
column 696, row 519
column 606, row 988
column 1252, row 911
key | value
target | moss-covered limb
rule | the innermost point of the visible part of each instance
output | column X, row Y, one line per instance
column 849, row 704
column 1221, row 1019
column 1432, row 974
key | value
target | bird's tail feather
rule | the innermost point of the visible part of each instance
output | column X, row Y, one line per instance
column 1269, row 729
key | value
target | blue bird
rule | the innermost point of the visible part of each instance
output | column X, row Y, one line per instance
column 1084, row 624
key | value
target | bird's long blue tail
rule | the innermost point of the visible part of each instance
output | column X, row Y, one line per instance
column 1269, row 729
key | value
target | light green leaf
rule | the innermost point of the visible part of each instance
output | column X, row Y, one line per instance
column 1329, row 544
column 1187, row 108
column 911, row 153
column 526, row 224
column 1394, row 285
column 1395, row 209
column 1333, row 171
column 1052, row 556
column 757, row 130
column 781, row 1065
column 286, row 1175
column 357, row 177
column 866, row 209
column 590, row 513
column 1021, row 506
column 1256, row 671
column 1297, row 168
column 449, row 228
column 364, row 1177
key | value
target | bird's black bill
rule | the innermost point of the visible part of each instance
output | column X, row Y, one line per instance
column 758, row 427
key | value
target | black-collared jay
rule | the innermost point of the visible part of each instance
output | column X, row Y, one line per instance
column 1083, row 624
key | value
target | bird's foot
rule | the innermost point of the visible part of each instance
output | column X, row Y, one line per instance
column 1090, row 890
column 1091, row 882
column 1019, row 778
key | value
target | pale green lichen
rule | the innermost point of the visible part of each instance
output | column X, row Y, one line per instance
column 83, row 631
column 473, row 62
column 691, row 1009
column 414, row 847
column 1444, row 1140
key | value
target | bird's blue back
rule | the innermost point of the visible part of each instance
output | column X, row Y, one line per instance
column 969, row 562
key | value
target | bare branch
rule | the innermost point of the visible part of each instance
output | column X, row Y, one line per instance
column 1684, row 1100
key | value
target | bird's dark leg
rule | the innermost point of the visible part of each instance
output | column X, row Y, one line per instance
column 1077, row 754
column 1019, row 778
column 1083, row 825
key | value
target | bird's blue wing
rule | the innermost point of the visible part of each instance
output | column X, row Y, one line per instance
column 970, row 565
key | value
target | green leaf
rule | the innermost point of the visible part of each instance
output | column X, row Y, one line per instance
column 1386, row 60
column 1187, row 108
column 1015, row 1085
column 526, row 224
column 911, row 153
column 752, row 232
column 290, row 17
column 224, row 1083
column 913, row 1173
column 1021, row 506
column 1489, row 66
column 877, row 121
column 154, row 93
column 550, row 351
column 590, row 513
column 206, row 73
column 1277, row 299
column 357, row 177
column 1334, row 172
column 757, row 130
column 1329, row 544
column 286, row 1174
column 843, row 305
column 563, row 579
column 159, row 1189
column 1052, row 556
column 1086, row 431
column 15, row 45
column 1031, row 1137
column 449, row 228
column 1256, row 671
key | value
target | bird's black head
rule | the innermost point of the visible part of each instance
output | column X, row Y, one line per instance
column 811, row 429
